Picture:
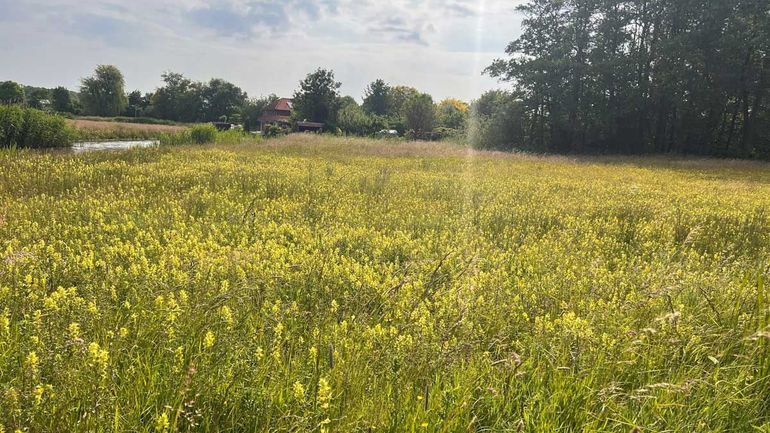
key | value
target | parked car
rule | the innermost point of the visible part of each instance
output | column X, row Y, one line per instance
column 387, row 133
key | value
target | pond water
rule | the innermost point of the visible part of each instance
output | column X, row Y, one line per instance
column 92, row 146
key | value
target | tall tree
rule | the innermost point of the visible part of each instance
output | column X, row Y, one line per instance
column 420, row 114
column 643, row 75
column 352, row 119
column 316, row 99
column 452, row 113
column 103, row 94
column 179, row 99
column 138, row 103
column 397, row 99
column 11, row 93
column 222, row 99
column 376, row 98
column 37, row 97
column 61, row 100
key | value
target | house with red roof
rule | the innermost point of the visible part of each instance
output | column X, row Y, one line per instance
column 279, row 113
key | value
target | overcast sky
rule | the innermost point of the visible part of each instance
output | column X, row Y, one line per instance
column 263, row 46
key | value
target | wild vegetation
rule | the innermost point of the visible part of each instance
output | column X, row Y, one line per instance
column 328, row 284
column 586, row 77
column 27, row 127
column 86, row 129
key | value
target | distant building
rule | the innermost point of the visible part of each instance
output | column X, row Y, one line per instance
column 278, row 113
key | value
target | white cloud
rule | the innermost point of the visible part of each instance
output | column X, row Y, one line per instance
column 264, row 46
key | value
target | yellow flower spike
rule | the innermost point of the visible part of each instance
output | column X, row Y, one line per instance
column 324, row 393
column 227, row 316
column 98, row 358
column 208, row 340
column 162, row 423
column 92, row 308
column 38, row 394
column 178, row 359
column 5, row 323
column 299, row 391
column 31, row 363
column 74, row 331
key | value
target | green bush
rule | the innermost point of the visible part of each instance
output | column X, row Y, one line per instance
column 449, row 134
column 272, row 130
column 175, row 138
column 201, row 134
column 26, row 127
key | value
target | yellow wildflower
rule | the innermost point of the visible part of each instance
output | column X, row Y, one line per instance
column 208, row 340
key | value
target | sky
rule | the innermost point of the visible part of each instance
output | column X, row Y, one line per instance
column 264, row 46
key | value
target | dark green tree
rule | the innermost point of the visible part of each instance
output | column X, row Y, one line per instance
column 352, row 118
column 398, row 96
column 420, row 114
column 634, row 76
column 179, row 99
column 103, row 93
column 61, row 100
column 497, row 122
column 38, row 98
column 11, row 93
column 138, row 104
column 317, row 97
column 376, row 98
column 222, row 98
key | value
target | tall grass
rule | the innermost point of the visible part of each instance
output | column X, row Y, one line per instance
column 206, row 134
column 326, row 284
column 116, row 133
column 125, row 119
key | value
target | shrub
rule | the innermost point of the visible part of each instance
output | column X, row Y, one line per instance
column 175, row 138
column 201, row 134
column 451, row 134
column 274, row 130
column 497, row 122
column 26, row 127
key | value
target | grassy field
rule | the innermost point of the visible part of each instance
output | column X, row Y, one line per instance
column 89, row 129
column 332, row 285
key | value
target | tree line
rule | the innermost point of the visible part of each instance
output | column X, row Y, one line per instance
column 637, row 76
column 586, row 76
column 318, row 99
column 385, row 107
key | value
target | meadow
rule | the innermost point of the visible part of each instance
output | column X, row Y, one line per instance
column 347, row 285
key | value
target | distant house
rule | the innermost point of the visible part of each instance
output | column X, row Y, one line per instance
column 278, row 113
